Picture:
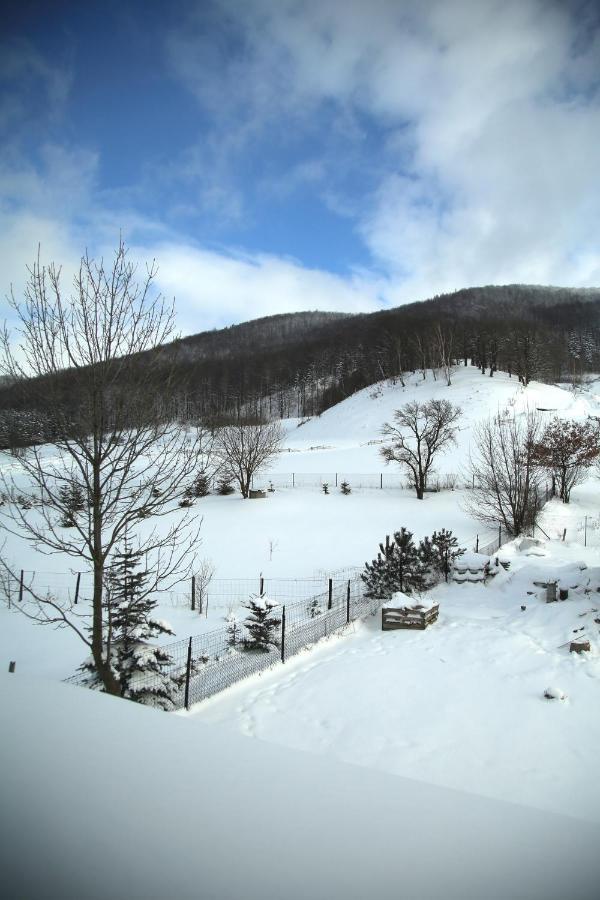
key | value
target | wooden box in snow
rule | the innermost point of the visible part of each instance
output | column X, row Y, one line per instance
column 417, row 616
column 258, row 495
column 579, row 647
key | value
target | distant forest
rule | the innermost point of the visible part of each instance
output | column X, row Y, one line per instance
column 300, row 364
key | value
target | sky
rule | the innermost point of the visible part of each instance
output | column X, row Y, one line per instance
column 282, row 155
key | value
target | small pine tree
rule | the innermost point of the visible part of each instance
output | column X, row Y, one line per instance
column 72, row 498
column 397, row 568
column 446, row 549
column 345, row 488
column 234, row 630
column 200, row 486
column 224, row 487
column 325, row 487
column 429, row 563
column 261, row 624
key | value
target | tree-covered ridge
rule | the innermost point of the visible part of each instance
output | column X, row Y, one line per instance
column 300, row 364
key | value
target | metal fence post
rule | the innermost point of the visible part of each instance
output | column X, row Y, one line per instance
column 193, row 593
column 21, row 587
column 330, row 594
column 188, row 671
column 283, row 635
column 348, row 602
column 381, row 480
column 77, row 583
column 477, row 545
column 499, row 536
column 261, row 586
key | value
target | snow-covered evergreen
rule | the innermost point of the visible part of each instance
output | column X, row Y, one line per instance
column 262, row 624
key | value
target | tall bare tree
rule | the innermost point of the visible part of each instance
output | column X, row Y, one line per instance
column 419, row 432
column 242, row 450
column 506, row 478
column 115, row 441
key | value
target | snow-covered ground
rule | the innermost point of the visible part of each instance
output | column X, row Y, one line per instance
column 459, row 705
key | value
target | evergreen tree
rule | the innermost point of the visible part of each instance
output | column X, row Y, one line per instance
column 429, row 563
column 261, row 624
column 72, row 500
column 446, row 550
column 398, row 567
column 325, row 487
column 200, row 487
column 406, row 572
column 224, row 487
column 141, row 668
column 345, row 488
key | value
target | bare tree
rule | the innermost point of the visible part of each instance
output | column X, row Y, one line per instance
column 242, row 450
column 506, row 479
column 567, row 449
column 444, row 344
column 113, row 438
column 420, row 431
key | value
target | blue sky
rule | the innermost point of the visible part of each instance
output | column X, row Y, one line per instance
column 277, row 155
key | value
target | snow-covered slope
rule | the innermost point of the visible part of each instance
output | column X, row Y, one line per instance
column 104, row 800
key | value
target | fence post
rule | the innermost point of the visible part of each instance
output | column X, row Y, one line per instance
column 11, row 666
column 381, row 480
column 330, row 593
column 477, row 545
column 585, row 532
column 261, row 586
column 21, row 587
column 336, row 479
column 77, row 583
column 348, row 602
column 193, row 593
column 499, row 536
column 283, row 635
column 293, row 479
column 188, row 671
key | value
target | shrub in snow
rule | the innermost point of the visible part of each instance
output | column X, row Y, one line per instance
column 261, row 624
column 398, row 567
column 554, row 693
column 314, row 608
column 325, row 487
column 345, row 488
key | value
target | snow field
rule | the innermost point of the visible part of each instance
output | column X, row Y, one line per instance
column 460, row 704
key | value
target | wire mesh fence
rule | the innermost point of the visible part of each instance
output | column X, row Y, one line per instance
column 208, row 663
column 355, row 480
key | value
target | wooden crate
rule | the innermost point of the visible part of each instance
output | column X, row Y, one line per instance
column 393, row 617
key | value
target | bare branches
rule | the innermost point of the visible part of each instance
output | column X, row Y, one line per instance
column 420, row 431
column 567, row 449
column 244, row 449
column 114, row 441
column 506, row 480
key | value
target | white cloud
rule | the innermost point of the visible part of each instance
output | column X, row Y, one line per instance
column 491, row 114
column 215, row 289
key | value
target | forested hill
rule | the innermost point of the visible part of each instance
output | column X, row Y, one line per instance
column 300, row 364
column 303, row 363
